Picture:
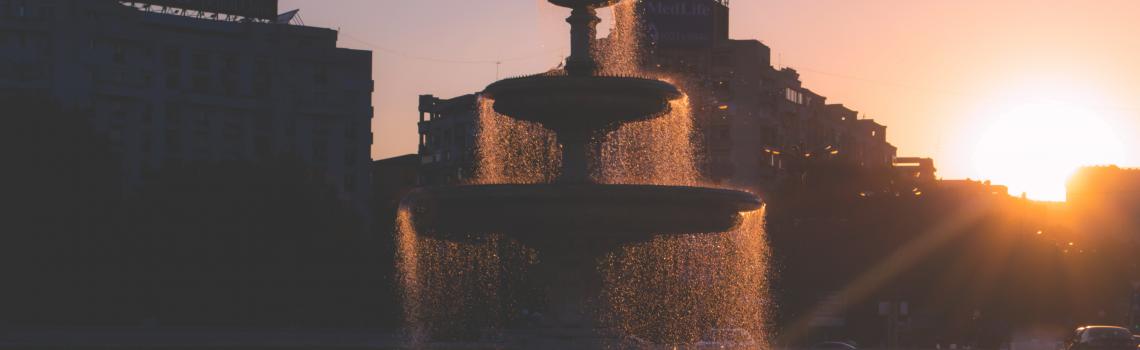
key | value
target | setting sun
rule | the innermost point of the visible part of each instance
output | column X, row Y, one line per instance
column 1034, row 146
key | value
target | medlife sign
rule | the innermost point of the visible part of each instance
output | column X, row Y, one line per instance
column 682, row 22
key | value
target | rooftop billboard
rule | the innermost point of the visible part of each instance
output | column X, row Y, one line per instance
column 264, row 9
column 684, row 22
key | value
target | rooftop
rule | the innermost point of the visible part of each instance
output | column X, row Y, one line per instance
column 260, row 11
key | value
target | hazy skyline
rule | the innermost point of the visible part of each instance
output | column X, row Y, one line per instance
column 940, row 75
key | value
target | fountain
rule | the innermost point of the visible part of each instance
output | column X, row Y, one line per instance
column 574, row 221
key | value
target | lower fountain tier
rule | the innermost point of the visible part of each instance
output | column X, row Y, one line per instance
column 581, row 104
column 560, row 212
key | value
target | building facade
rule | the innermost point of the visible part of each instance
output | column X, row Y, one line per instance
column 173, row 85
column 447, row 138
column 754, row 119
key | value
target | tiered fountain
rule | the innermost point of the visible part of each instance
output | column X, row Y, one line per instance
column 573, row 221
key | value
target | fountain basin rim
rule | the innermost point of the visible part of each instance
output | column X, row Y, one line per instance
column 561, row 212
column 588, row 83
column 568, row 104
column 741, row 200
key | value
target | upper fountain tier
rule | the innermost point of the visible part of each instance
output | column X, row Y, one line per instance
column 579, row 103
column 579, row 100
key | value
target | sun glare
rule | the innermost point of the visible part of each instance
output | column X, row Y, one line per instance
column 1033, row 147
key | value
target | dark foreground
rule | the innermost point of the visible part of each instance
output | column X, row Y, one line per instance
column 136, row 338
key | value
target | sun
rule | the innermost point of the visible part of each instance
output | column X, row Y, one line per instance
column 1034, row 146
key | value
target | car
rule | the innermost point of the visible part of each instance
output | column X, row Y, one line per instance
column 1100, row 338
column 834, row 345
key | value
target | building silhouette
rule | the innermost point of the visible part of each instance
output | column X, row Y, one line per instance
column 447, row 130
column 1105, row 202
column 754, row 118
column 920, row 169
column 174, row 85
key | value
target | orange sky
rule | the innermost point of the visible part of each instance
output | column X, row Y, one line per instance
column 937, row 73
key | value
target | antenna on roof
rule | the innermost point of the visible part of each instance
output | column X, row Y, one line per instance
column 288, row 17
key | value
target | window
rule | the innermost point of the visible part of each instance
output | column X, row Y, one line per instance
column 147, row 116
column 349, row 132
column 201, row 124
column 350, row 157
column 461, row 135
column 721, row 59
column 47, row 12
column 173, row 118
column 173, row 143
column 230, row 64
column 172, row 58
column 146, row 142
column 200, row 61
column 320, row 144
column 229, row 85
column 793, row 96
column 263, row 144
column 119, row 54
column 201, row 83
column 322, row 75
column 262, row 78
column 232, row 136
column 263, row 122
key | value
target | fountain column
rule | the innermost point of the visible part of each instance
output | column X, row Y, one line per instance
column 583, row 31
column 575, row 166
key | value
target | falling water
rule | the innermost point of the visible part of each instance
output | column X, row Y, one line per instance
column 513, row 151
column 658, row 151
column 455, row 290
column 674, row 289
column 620, row 52
column 678, row 289
column 407, row 268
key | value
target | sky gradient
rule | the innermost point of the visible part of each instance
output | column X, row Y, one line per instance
column 937, row 73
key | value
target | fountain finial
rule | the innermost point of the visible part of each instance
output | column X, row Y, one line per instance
column 583, row 31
